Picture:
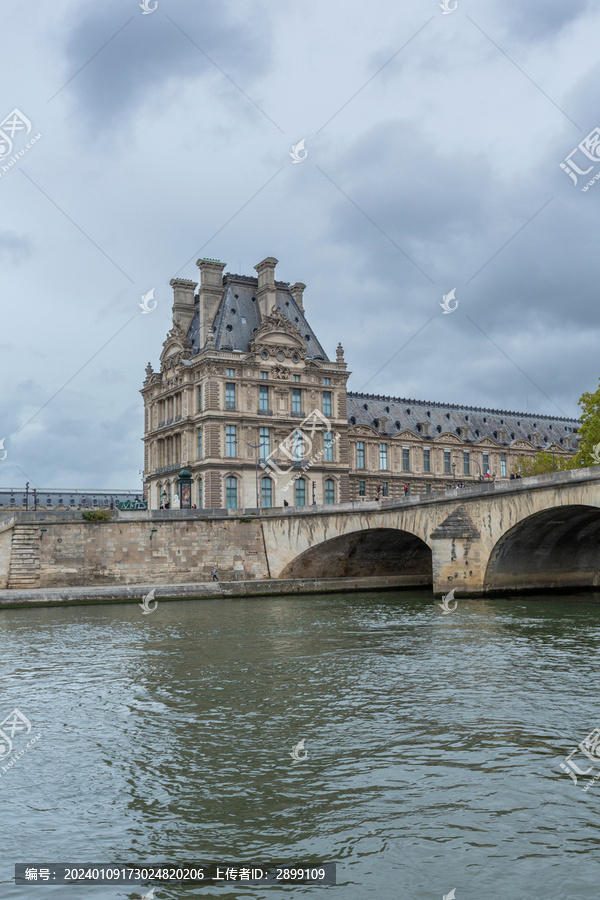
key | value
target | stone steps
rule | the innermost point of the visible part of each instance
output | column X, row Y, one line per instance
column 25, row 557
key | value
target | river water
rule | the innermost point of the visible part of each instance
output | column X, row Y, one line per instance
column 434, row 743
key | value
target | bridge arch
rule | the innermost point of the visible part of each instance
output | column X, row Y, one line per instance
column 557, row 547
column 370, row 551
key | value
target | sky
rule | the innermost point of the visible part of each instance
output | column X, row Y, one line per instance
column 134, row 141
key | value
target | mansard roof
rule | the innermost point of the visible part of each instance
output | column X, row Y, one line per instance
column 395, row 414
column 238, row 317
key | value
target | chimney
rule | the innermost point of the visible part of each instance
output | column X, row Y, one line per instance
column 183, row 302
column 296, row 291
column 267, row 292
column 424, row 426
column 210, row 293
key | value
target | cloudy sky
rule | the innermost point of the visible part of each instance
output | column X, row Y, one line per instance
column 434, row 147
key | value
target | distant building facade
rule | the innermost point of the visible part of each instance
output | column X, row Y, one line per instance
column 19, row 498
column 248, row 401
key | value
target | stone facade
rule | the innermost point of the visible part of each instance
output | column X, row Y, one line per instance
column 247, row 400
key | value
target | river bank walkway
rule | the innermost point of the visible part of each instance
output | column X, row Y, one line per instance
column 134, row 593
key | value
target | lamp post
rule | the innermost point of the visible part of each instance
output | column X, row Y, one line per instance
column 27, row 495
column 478, row 468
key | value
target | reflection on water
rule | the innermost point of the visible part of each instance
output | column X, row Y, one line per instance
column 433, row 742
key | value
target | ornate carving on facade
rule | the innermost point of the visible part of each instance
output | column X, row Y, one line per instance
column 281, row 372
column 212, row 368
column 277, row 322
column 176, row 348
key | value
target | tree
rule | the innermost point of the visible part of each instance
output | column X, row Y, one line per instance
column 543, row 463
column 588, row 453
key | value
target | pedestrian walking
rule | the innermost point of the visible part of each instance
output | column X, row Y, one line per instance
column 214, row 574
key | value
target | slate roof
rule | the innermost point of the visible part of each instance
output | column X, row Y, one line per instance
column 445, row 417
column 238, row 316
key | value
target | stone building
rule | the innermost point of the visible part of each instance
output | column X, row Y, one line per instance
column 249, row 402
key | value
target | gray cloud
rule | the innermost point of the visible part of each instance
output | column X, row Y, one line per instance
column 449, row 150
column 14, row 248
column 151, row 54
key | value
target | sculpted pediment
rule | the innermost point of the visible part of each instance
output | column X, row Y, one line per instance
column 175, row 348
column 522, row 445
column 486, row 443
column 406, row 434
column 362, row 431
column 447, row 437
column 276, row 334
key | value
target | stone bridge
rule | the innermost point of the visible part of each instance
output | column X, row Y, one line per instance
column 540, row 532
column 532, row 533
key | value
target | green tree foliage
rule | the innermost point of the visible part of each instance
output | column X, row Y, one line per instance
column 97, row 515
column 589, row 447
column 588, row 453
column 543, row 463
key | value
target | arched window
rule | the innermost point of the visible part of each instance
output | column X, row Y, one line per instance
column 267, row 493
column 200, row 494
column 329, row 490
column 231, row 492
column 300, row 492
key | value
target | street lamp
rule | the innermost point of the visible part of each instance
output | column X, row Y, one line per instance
column 478, row 468
column 163, row 497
